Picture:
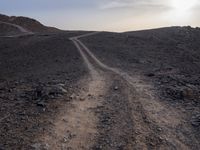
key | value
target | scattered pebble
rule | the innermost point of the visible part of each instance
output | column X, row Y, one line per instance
column 116, row 88
column 82, row 99
column 41, row 104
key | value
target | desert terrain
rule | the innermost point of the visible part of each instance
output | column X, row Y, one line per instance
column 81, row 90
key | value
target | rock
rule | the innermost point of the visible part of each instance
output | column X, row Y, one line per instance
column 61, row 85
column 162, row 139
column 64, row 120
column 159, row 129
column 196, row 121
column 65, row 140
column 188, row 93
column 175, row 93
column 61, row 88
column 55, row 90
column 38, row 92
column 41, row 104
column 150, row 74
column 46, row 92
column 116, row 88
column 73, row 96
column 10, row 90
column 46, row 146
column 82, row 99
column 36, row 146
column 152, row 144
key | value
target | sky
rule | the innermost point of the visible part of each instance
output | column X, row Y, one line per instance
column 107, row 15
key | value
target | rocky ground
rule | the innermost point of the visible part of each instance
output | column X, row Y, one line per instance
column 168, row 60
column 102, row 91
column 5, row 30
column 36, row 78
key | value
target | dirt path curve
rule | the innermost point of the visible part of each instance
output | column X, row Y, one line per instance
column 76, row 125
column 20, row 28
column 155, row 123
column 115, row 111
column 84, row 122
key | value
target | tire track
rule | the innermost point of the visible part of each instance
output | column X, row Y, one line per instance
column 76, row 126
column 112, row 132
column 155, row 122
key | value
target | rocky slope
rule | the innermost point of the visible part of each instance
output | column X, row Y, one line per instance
column 8, row 30
column 39, row 72
column 168, row 60
column 27, row 23
column 36, row 79
column 170, row 54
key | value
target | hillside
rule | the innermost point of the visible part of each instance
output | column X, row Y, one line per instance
column 27, row 23
column 166, row 62
column 7, row 30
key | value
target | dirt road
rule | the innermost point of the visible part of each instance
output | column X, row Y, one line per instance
column 114, row 110
column 100, row 90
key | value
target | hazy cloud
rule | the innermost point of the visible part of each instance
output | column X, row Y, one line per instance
column 114, row 4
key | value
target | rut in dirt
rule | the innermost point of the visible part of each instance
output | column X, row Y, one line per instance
column 113, row 133
column 114, row 110
column 94, row 119
column 152, row 123
column 76, row 126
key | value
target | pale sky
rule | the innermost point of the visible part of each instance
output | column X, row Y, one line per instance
column 107, row 15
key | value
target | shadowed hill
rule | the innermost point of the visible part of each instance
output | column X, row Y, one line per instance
column 5, row 29
column 165, row 33
column 27, row 23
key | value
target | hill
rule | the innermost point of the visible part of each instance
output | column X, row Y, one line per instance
column 27, row 23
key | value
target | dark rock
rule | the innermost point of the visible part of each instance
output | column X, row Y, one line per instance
column 73, row 96
column 159, row 129
column 150, row 75
column 41, row 104
column 188, row 93
column 82, row 99
column 38, row 92
column 196, row 121
column 174, row 93
column 46, row 92
column 55, row 90
column 116, row 88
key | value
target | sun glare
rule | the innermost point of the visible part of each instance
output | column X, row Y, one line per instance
column 183, row 5
column 181, row 10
